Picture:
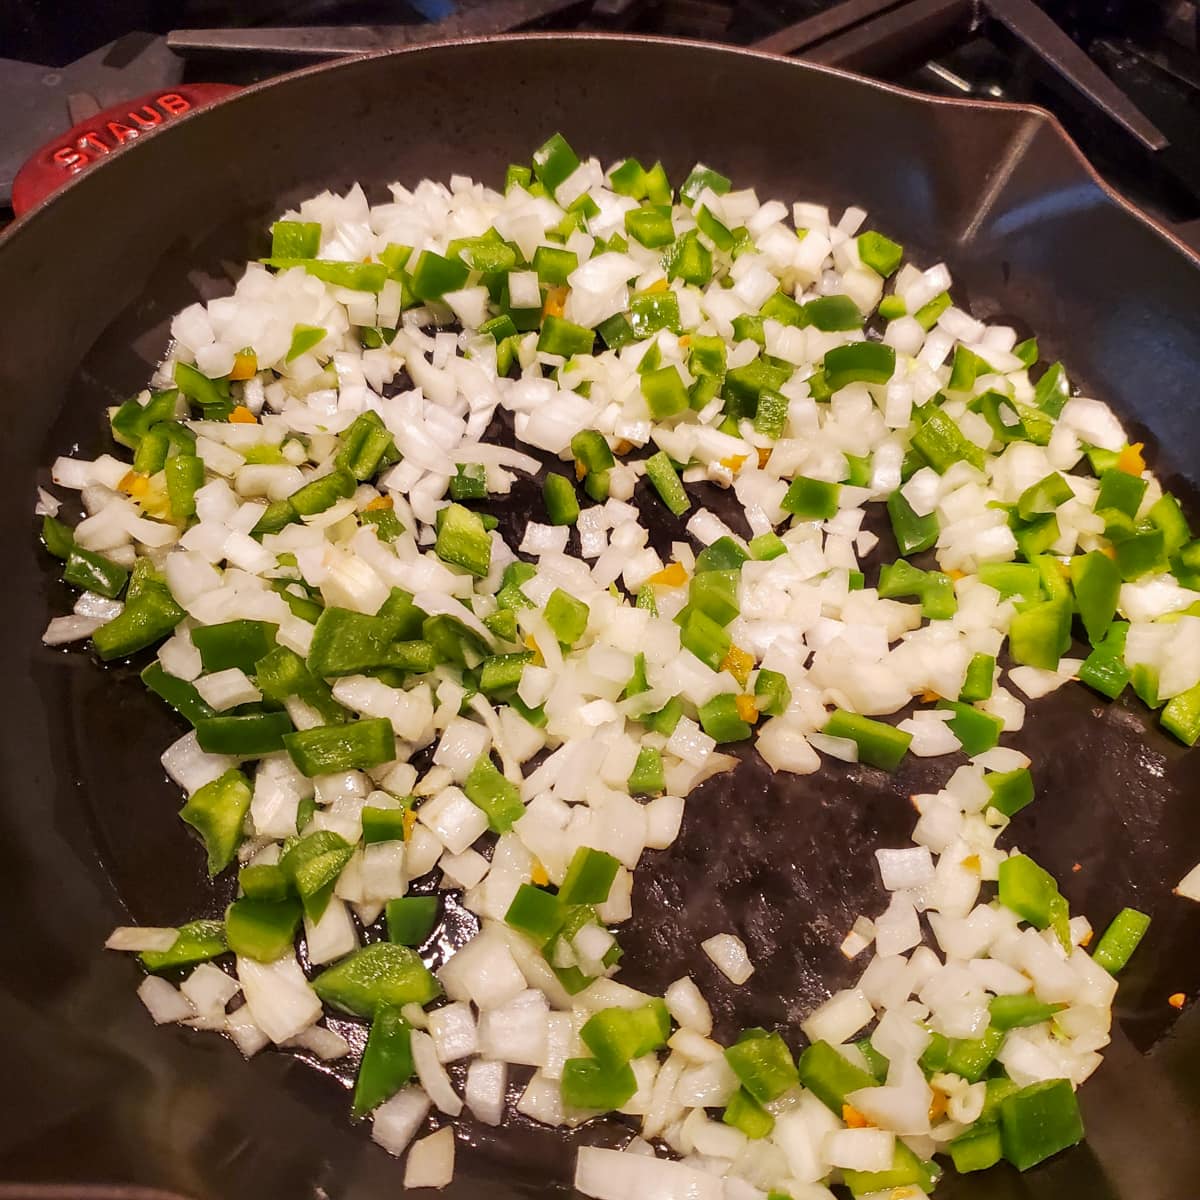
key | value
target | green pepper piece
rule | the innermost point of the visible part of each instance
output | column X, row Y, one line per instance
column 664, row 393
column 666, row 483
column 536, row 913
column 1045, row 496
column 829, row 1076
column 907, row 1170
column 1028, row 890
column 1014, row 1012
column 501, row 673
column 913, row 533
column 617, row 1035
column 411, row 919
column 891, row 307
column 628, row 179
column 772, row 693
column 244, row 737
column 295, row 239
column 562, row 504
column 554, row 161
column 879, row 253
column 1097, row 584
column 217, row 812
column 498, row 797
column 234, row 644
column 95, row 573
column 1167, row 516
column 365, row 446
column 745, row 1113
column 178, row 693
column 859, row 362
column 699, row 178
column 1143, row 553
column 588, row 1083
column 980, row 679
column 387, row 1062
column 133, row 420
column 1104, row 669
column 943, row 444
column 705, row 638
column 312, row 865
column 589, row 877
column 195, row 942
column 1039, row 1121
column 1041, row 634
column 1121, row 939
column 879, row 744
column 57, row 537
column 720, row 719
column 463, row 541
column 263, row 930
column 767, row 546
column 763, row 1064
column 566, row 616
column 1011, row 790
column 927, row 315
column 184, row 477
column 565, row 338
column 651, row 311
column 976, row 1148
column 356, row 745
column 380, row 974
column 145, row 619
column 715, row 593
column 647, row 777
column 1121, row 491
column 650, row 225
column 971, row 1057
column 978, row 731
column 282, row 673
column 811, row 499
column 833, row 314
column 212, row 395
column 1181, row 716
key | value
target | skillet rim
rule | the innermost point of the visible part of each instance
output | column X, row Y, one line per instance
column 1044, row 117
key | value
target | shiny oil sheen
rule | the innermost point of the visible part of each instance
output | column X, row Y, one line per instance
column 88, row 823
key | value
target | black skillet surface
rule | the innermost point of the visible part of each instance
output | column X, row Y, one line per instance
column 90, row 837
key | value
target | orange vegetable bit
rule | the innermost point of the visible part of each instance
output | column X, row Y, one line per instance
column 623, row 447
column 739, row 663
column 537, row 874
column 853, row 1117
column 378, row 504
column 1177, row 1000
column 659, row 285
column 133, row 484
column 1130, row 459
column 580, row 470
column 734, row 462
column 747, row 709
column 764, row 456
column 556, row 301
column 410, row 820
column 673, row 575
column 241, row 415
column 245, row 365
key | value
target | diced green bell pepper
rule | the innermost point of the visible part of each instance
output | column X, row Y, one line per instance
column 217, row 812
column 263, row 930
column 378, row 975
column 387, row 1062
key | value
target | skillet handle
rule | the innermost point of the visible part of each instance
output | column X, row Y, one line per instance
column 109, row 131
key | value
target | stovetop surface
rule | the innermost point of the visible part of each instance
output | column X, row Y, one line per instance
column 1147, row 48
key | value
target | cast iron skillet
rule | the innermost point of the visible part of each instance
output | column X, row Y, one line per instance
column 90, row 836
